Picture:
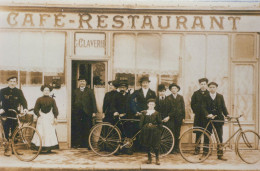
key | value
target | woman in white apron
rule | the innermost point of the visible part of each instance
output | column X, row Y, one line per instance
column 47, row 112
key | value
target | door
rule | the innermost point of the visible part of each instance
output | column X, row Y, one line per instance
column 95, row 73
column 244, row 93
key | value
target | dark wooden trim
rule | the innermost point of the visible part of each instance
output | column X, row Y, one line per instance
column 128, row 10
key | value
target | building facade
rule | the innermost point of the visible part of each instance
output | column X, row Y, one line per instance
column 50, row 43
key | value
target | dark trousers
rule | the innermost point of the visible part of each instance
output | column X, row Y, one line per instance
column 81, row 125
column 176, row 132
column 219, row 129
column 9, row 125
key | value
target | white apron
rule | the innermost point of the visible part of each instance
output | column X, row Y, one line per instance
column 46, row 129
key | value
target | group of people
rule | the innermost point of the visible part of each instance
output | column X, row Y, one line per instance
column 152, row 110
column 45, row 108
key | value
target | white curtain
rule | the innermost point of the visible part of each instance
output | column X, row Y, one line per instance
column 32, row 51
column 9, row 50
column 170, row 54
column 148, row 54
column 124, row 53
column 54, row 48
column 31, row 48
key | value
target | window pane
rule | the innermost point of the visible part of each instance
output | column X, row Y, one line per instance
column 29, row 78
column 31, row 48
column 170, row 54
column 148, row 53
column 124, row 53
column 54, row 79
column 9, row 48
column 194, row 68
column 218, row 62
column 244, row 91
column 244, row 46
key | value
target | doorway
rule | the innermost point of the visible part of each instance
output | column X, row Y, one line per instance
column 95, row 73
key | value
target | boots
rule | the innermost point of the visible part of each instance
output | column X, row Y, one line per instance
column 149, row 161
column 157, row 162
column 8, row 151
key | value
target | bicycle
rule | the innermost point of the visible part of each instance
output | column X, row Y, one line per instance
column 247, row 144
column 106, row 139
column 21, row 138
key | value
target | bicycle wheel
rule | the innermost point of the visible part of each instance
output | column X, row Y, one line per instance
column 104, row 139
column 167, row 141
column 22, row 145
column 192, row 150
column 248, row 146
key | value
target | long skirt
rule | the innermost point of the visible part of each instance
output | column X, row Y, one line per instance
column 47, row 131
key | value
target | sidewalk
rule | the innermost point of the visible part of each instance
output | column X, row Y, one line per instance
column 84, row 159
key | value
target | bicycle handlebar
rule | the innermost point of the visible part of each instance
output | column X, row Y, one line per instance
column 20, row 114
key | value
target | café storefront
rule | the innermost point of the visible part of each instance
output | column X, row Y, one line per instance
column 54, row 45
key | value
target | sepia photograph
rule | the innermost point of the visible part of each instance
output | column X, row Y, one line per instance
column 130, row 85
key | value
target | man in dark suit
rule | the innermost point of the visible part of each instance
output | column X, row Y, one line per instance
column 138, row 103
column 196, row 104
column 139, row 97
column 177, row 114
column 214, row 107
column 108, row 99
column 161, row 104
column 120, row 106
column 84, row 108
column 11, row 98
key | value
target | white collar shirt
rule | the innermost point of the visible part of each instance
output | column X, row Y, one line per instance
column 174, row 95
column 150, row 112
column 213, row 96
column 82, row 88
column 145, row 90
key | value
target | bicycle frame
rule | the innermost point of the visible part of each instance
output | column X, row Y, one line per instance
column 120, row 121
column 226, row 143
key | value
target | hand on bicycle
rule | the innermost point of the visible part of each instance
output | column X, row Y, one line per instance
column 138, row 114
column 55, row 122
column 211, row 116
column 166, row 119
column 116, row 114
column 122, row 115
column 2, row 111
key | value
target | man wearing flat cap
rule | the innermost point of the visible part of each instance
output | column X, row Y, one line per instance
column 108, row 99
column 11, row 98
column 83, row 110
column 176, row 114
column 197, row 99
column 214, row 105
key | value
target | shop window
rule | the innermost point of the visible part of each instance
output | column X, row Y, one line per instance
column 152, row 55
column 244, row 46
column 55, row 79
column 30, row 78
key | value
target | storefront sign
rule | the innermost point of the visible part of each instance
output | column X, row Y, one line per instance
column 90, row 44
column 128, row 21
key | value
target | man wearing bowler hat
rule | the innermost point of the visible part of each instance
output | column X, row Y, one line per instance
column 108, row 99
column 83, row 109
column 176, row 113
column 11, row 98
column 139, row 97
column 214, row 107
